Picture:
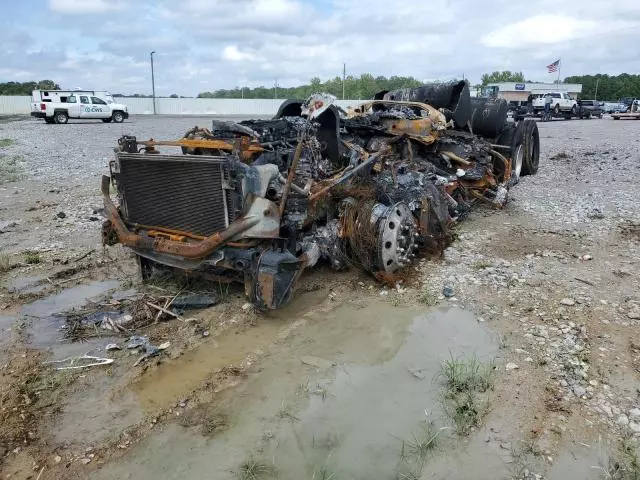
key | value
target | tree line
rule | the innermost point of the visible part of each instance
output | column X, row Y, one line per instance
column 609, row 87
column 25, row 88
column 355, row 87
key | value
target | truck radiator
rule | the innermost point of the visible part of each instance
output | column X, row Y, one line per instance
column 178, row 192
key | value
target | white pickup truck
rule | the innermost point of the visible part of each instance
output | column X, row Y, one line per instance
column 561, row 103
column 58, row 106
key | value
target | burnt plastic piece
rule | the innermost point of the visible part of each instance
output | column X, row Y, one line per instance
column 273, row 282
column 228, row 129
column 452, row 97
column 488, row 116
column 290, row 108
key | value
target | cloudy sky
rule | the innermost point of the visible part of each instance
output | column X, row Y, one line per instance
column 209, row 44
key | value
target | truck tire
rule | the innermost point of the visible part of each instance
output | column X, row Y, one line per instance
column 118, row 116
column 556, row 109
column 107, row 120
column 61, row 117
column 527, row 135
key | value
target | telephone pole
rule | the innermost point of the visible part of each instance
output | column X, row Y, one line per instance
column 344, row 77
column 275, row 90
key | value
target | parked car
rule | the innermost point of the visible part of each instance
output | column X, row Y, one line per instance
column 58, row 106
column 561, row 103
column 614, row 107
column 627, row 102
column 589, row 108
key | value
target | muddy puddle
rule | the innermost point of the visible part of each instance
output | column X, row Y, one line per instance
column 25, row 285
column 46, row 322
column 176, row 378
column 6, row 326
column 338, row 395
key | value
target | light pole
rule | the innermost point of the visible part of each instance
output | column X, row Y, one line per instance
column 153, row 83
column 596, row 95
column 344, row 77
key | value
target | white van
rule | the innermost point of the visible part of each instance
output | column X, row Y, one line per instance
column 58, row 106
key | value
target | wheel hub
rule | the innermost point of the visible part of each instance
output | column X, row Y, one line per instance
column 397, row 237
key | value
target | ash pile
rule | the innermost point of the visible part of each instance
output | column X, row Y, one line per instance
column 375, row 187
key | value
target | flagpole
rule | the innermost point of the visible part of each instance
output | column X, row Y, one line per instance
column 559, row 63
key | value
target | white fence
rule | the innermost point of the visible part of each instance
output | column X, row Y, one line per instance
column 175, row 106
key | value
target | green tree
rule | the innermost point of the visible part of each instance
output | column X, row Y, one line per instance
column 610, row 87
column 503, row 76
column 25, row 88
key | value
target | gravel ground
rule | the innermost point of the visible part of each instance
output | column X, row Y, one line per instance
column 554, row 274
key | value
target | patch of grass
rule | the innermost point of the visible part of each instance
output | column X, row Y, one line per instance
column 6, row 263
column 254, row 469
column 395, row 300
column 427, row 297
column 318, row 389
column 482, row 264
column 465, row 385
column 466, row 410
column 285, row 412
column 6, row 142
column 416, row 451
column 408, row 475
column 624, row 463
column 467, row 375
column 10, row 169
column 323, row 473
column 31, row 257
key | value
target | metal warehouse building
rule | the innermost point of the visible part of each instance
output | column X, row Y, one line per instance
column 520, row 91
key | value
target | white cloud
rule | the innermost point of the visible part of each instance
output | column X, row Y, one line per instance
column 549, row 29
column 79, row 7
column 231, row 52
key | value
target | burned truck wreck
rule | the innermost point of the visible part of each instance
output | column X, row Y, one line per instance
column 260, row 201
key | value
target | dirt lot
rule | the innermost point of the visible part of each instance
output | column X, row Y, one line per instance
column 539, row 342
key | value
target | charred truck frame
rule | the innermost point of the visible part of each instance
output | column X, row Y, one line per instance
column 261, row 200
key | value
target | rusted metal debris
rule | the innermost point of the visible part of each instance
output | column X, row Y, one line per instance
column 261, row 200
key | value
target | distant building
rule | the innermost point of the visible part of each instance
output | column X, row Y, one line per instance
column 519, row 92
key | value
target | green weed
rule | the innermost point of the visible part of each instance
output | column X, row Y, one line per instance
column 465, row 385
column 31, row 257
column 254, row 469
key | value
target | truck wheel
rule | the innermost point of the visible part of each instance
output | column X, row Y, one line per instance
column 527, row 135
column 573, row 111
column 118, row 117
column 61, row 117
column 556, row 109
column 106, row 120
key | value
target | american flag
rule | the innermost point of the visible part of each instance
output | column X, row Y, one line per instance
column 554, row 66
